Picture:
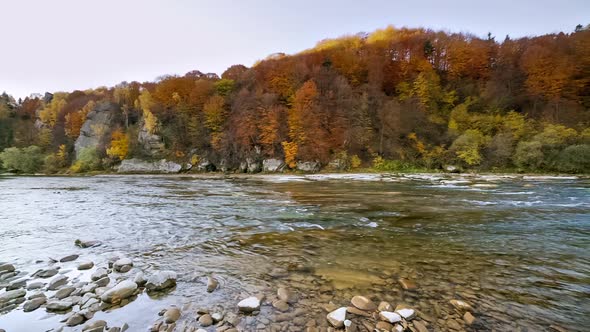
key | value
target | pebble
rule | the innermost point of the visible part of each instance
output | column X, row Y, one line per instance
column 69, row 258
column 468, row 318
column 58, row 305
column 286, row 295
column 96, row 325
column 363, row 303
column 34, row 304
column 212, row 284
column 47, row 273
column 121, row 291
column 249, row 304
column 100, row 273
column 57, row 282
column 161, row 280
column 461, row 305
column 102, row 282
column 407, row 284
column 13, row 294
column 384, row 306
column 280, row 305
column 85, row 266
column 171, row 315
column 384, row 326
column 206, row 320
column 123, row 265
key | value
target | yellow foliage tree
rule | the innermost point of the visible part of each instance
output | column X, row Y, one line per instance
column 48, row 115
column 214, row 119
column 119, row 145
column 290, row 149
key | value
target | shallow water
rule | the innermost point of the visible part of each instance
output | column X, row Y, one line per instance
column 516, row 248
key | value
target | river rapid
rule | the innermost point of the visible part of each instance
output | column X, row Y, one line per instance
column 515, row 248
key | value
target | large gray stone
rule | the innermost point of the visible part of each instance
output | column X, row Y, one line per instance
column 161, row 280
column 11, row 295
column 273, row 165
column 309, row 166
column 121, row 291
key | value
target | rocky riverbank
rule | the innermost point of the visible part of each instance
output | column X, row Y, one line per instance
column 75, row 289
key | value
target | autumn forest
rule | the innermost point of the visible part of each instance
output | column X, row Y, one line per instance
column 397, row 99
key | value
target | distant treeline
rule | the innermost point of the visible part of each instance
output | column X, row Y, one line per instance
column 387, row 99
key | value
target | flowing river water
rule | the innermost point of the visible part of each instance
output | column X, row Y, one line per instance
column 516, row 248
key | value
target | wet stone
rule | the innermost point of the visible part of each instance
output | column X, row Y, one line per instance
column 249, row 304
column 47, row 273
column 34, row 304
column 280, row 305
column 407, row 284
column 337, row 317
column 85, row 265
column 468, row 318
column 212, row 284
column 102, row 282
column 363, row 303
column 123, row 265
column 98, row 325
column 99, row 274
column 206, row 320
column 69, row 258
column 57, row 282
column 58, row 305
column 35, row 285
column 172, row 315
column 6, row 268
column 161, row 280
column 21, row 283
column 75, row 319
column 11, row 295
column 64, row 292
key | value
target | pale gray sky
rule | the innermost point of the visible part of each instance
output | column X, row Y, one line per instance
column 62, row 45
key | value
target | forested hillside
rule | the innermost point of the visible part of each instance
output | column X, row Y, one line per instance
column 394, row 99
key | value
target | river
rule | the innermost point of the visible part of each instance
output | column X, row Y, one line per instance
column 516, row 248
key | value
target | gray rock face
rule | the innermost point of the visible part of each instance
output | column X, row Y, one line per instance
column 161, row 280
column 309, row 166
column 97, row 127
column 142, row 166
column 150, row 143
column 123, row 290
column 253, row 165
column 273, row 165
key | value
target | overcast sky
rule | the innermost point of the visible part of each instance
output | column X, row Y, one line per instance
column 62, row 45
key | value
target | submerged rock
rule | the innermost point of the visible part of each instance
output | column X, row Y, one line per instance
column 212, row 284
column 461, row 305
column 161, row 280
column 87, row 244
column 47, row 273
column 363, row 303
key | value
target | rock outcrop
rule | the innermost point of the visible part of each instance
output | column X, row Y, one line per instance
column 142, row 166
column 309, row 166
column 97, row 128
column 273, row 165
column 151, row 143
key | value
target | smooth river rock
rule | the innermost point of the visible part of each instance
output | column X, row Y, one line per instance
column 57, row 282
column 85, row 265
column 363, row 303
column 337, row 317
column 249, row 304
column 100, row 273
column 11, row 295
column 69, row 258
column 212, row 284
column 123, row 265
column 161, row 280
column 46, row 273
column 121, row 291
column 172, row 315
column 390, row 317
column 34, row 304
column 58, row 305
column 6, row 268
